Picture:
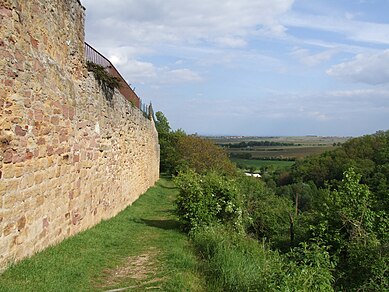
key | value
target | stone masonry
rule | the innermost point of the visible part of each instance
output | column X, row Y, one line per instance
column 68, row 156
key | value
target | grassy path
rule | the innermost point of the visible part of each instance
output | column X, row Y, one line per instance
column 141, row 249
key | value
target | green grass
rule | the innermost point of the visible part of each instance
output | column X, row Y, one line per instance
column 141, row 248
column 277, row 164
column 295, row 152
column 235, row 262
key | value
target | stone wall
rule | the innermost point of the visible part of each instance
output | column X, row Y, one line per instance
column 69, row 157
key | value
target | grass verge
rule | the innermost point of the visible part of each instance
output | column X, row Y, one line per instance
column 139, row 249
column 258, row 164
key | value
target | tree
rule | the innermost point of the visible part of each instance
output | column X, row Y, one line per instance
column 350, row 227
column 162, row 124
column 168, row 143
column 202, row 155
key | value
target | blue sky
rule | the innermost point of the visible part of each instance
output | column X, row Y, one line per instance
column 252, row 67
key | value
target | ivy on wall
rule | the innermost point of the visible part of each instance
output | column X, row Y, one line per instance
column 107, row 82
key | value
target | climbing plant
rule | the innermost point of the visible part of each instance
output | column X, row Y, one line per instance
column 107, row 82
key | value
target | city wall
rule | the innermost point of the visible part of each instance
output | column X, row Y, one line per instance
column 69, row 156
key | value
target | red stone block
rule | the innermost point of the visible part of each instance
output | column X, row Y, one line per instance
column 54, row 120
column 71, row 113
column 19, row 131
column 65, row 111
column 34, row 42
column 20, row 58
column 45, row 223
column 76, row 218
column 12, row 74
column 50, row 150
column 60, row 151
column 17, row 158
column 38, row 114
column 41, row 141
column 8, row 155
column 29, row 155
column 5, row 12
column 9, row 83
column 63, row 137
column 30, row 114
column 76, row 158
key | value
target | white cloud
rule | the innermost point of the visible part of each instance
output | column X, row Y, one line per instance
column 146, row 72
column 179, row 75
column 137, row 70
column 369, row 32
column 361, row 93
column 232, row 42
column 151, row 21
column 365, row 68
column 309, row 59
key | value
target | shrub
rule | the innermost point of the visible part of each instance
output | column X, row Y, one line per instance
column 207, row 198
column 266, row 215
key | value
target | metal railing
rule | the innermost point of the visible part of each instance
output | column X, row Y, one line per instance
column 147, row 110
column 92, row 55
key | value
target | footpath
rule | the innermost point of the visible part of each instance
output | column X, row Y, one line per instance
column 140, row 249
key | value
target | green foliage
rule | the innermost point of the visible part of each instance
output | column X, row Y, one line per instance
column 368, row 155
column 179, row 151
column 332, row 209
column 350, row 227
column 266, row 215
column 205, row 199
column 162, row 124
column 309, row 267
column 168, row 143
column 202, row 155
column 106, row 81
column 346, row 213
column 234, row 262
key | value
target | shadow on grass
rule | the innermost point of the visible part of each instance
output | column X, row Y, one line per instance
column 165, row 224
column 169, row 186
column 169, row 212
column 166, row 181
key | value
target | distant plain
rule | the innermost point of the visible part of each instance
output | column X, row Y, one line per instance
column 281, row 151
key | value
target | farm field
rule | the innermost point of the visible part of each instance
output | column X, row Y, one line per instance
column 302, row 140
column 277, row 151
column 258, row 164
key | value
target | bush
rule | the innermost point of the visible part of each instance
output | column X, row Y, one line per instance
column 266, row 215
column 206, row 199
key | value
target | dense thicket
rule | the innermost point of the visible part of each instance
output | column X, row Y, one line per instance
column 368, row 155
column 343, row 203
column 322, row 227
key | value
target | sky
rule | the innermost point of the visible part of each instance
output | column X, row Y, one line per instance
column 252, row 67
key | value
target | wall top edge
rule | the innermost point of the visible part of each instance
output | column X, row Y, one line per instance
column 82, row 6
